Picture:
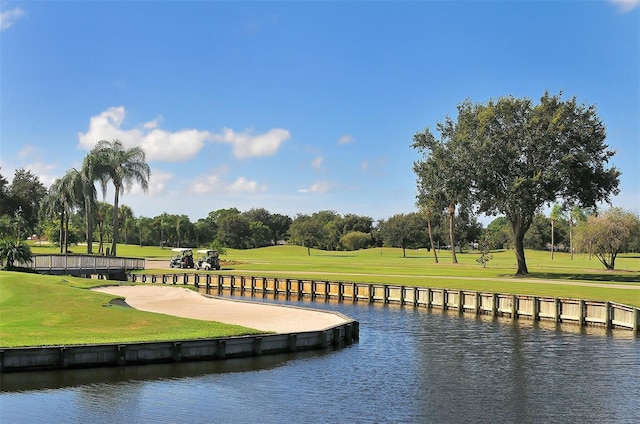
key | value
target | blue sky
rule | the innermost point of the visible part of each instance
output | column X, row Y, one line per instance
column 296, row 107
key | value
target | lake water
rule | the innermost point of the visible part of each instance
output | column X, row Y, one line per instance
column 410, row 366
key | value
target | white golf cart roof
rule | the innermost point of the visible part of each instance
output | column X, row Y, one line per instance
column 180, row 249
column 206, row 250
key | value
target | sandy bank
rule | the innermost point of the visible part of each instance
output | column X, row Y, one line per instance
column 187, row 303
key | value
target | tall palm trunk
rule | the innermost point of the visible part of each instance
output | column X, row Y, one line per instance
column 571, row 236
column 60, row 236
column 115, row 219
column 89, row 227
column 66, row 233
column 452, row 211
column 552, row 237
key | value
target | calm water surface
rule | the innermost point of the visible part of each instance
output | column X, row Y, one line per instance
column 410, row 366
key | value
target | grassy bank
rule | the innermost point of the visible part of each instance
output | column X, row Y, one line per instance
column 39, row 310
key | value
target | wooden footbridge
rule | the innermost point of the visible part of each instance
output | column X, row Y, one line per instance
column 110, row 267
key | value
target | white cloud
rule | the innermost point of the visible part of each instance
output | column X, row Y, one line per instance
column 317, row 162
column 242, row 185
column 157, row 183
column 213, row 182
column 10, row 17
column 158, row 144
column 177, row 146
column 45, row 172
column 345, row 139
column 625, row 5
column 247, row 145
column 206, row 184
column 319, row 187
column 364, row 165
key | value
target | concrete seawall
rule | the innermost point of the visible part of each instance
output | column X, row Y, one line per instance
column 118, row 354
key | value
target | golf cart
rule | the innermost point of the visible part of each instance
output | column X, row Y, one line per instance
column 183, row 258
column 208, row 260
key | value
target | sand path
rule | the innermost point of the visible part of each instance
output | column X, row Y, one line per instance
column 187, row 303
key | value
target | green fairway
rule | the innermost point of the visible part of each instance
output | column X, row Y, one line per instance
column 39, row 310
column 581, row 277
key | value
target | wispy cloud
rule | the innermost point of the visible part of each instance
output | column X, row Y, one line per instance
column 625, row 6
column 319, row 187
column 215, row 183
column 179, row 145
column 10, row 17
column 317, row 162
column 242, row 185
column 27, row 151
column 345, row 139
column 246, row 144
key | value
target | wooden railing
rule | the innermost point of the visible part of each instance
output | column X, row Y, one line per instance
column 538, row 308
column 83, row 264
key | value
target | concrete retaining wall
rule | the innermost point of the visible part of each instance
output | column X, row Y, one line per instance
column 86, row 356
column 575, row 311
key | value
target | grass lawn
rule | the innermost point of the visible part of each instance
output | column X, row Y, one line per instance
column 582, row 277
column 41, row 310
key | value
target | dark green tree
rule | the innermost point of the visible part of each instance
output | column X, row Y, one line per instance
column 443, row 172
column 528, row 155
column 25, row 195
column 405, row 231
column 234, row 230
column 305, row 231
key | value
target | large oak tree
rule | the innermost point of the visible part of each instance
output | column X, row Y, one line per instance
column 522, row 156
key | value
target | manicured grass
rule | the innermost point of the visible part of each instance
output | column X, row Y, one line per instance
column 40, row 310
column 557, row 278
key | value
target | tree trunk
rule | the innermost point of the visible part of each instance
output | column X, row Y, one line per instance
column 518, row 237
column 61, row 230
column 100, row 239
column 452, row 211
column 435, row 254
column 89, row 227
column 115, row 221
column 552, row 238
column 571, row 236
column 66, row 233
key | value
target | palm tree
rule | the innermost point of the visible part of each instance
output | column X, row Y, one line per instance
column 122, row 167
column 102, row 212
column 127, row 219
column 60, row 201
column 12, row 250
column 86, row 178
